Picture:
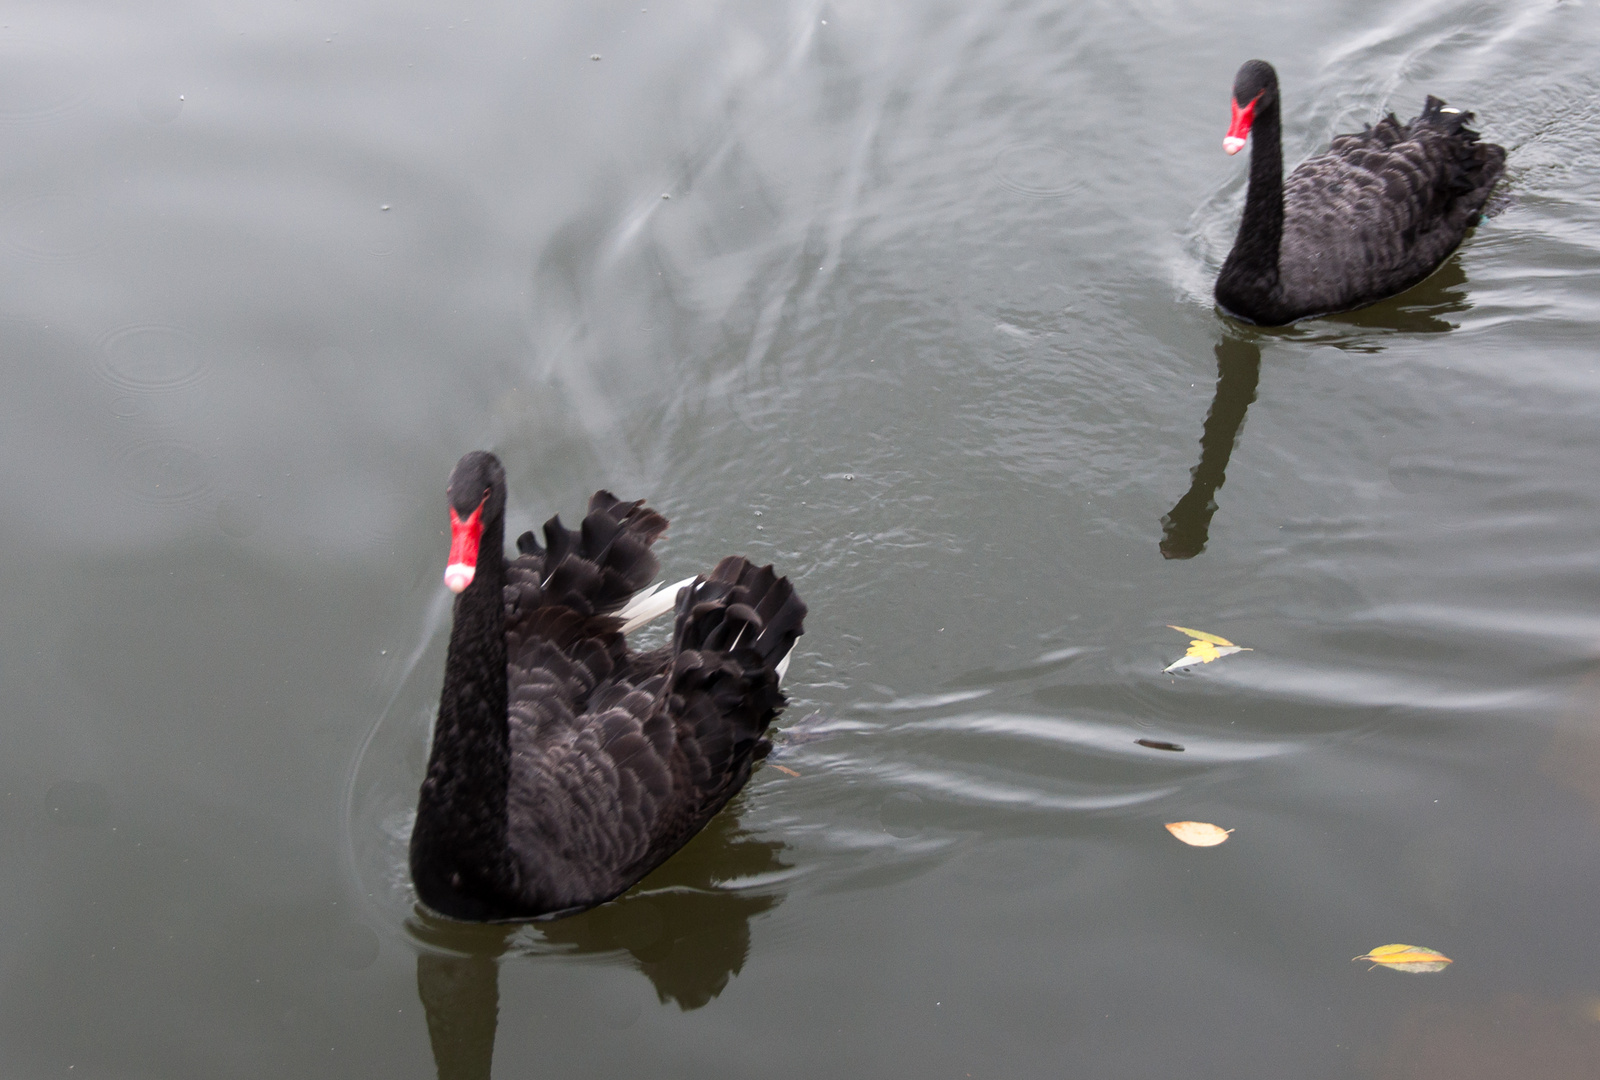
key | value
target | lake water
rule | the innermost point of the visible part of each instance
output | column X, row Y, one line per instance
column 912, row 300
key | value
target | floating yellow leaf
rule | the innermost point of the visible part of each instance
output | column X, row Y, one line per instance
column 1203, row 648
column 1406, row 958
column 1200, row 635
column 1198, row 833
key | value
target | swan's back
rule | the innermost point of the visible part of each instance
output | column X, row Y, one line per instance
column 1381, row 209
column 619, row 758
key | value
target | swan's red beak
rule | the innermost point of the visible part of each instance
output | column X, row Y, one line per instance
column 1239, row 125
column 464, row 537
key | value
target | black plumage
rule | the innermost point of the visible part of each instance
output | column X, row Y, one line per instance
column 565, row 766
column 1372, row 216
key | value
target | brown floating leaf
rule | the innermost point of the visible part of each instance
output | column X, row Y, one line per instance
column 1198, row 833
column 1157, row 744
column 1406, row 958
column 783, row 769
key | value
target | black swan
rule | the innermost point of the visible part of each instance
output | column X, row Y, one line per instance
column 564, row 766
column 1371, row 217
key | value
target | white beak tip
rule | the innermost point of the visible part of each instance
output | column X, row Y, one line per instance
column 1232, row 144
column 457, row 576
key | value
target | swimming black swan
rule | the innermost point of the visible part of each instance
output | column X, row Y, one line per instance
column 564, row 766
column 1371, row 217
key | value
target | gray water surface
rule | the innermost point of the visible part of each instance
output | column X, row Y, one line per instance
column 912, row 300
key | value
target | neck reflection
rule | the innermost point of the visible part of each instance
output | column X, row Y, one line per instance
column 1423, row 309
column 1186, row 527
column 460, row 992
column 684, row 929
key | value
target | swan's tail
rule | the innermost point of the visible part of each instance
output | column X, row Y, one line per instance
column 1472, row 167
column 600, row 567
column 735, row 629
column 740, row 608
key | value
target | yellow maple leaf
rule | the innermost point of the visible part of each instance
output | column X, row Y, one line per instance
column 1203, row 648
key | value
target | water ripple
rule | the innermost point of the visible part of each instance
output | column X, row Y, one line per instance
column 165, row 472
column 1037, row 171
column 39, row 81
column 57, row 227
column 1117, row 740
column 1323, row 686
column 953, row 786
column 921, row 701
column 148, row 357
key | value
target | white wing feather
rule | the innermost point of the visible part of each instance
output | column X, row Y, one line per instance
column 651, row 603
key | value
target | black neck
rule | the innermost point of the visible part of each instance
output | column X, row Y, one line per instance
column 1261, row 228
column 458, row 845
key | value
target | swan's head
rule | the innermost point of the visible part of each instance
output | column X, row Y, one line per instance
column 1255, row 87
column 477, row 494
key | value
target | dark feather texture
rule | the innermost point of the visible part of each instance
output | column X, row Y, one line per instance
column 1373, row 215
column 604, row 761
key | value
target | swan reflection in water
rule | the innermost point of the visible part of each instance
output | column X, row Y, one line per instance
column 1186, row 527
column 683, row 930
column 1420, row 310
